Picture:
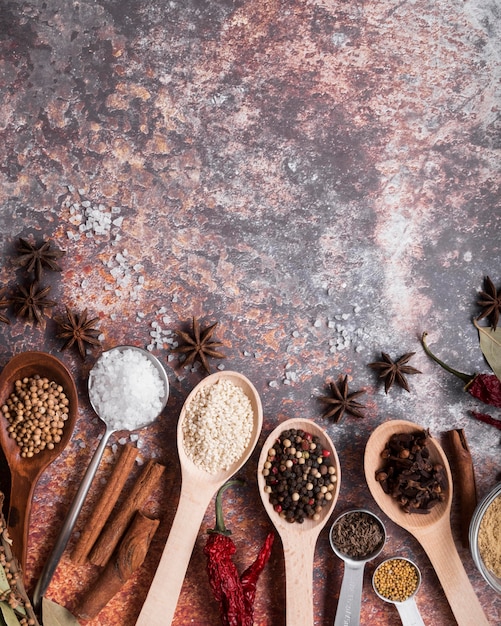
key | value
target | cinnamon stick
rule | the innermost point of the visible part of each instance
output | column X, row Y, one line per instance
column 128, row 558
column 142, row 489
column 464, row 477
column 105, row 504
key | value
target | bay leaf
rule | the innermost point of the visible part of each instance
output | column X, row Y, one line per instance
column 490, row 344
column 4, row 583
column 8, row 615
column 53, row 614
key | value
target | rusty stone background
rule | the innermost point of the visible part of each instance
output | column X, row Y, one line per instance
column 320, row 177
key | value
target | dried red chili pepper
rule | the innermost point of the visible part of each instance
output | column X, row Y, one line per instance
column 484, row 387
column 235, row 593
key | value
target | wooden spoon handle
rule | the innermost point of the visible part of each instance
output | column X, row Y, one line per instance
column 298, row 558
column 18, row 519
column 161, row 601
column 443, row 555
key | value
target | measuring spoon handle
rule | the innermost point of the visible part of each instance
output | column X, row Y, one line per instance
column 409, row 613
column 71, row 517
column 350, row 596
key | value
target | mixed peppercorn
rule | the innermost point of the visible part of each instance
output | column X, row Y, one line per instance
column 299, row 476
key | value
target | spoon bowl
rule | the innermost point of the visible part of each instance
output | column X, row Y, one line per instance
column 432, row 529
column 197, row 489
column 76, row 506
column 299, row 540
column 25, row 472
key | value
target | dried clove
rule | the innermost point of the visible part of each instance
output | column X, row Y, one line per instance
column 409, row 475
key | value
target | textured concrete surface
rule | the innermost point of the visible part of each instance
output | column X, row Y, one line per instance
column 320, row 177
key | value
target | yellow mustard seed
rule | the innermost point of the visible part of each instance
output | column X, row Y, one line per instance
column 396, row 580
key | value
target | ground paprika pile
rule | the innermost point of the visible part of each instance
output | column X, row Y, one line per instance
column 484, row 387
column 235, row 593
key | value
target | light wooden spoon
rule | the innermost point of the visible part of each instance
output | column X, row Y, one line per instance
column 298, row 540
column 197, row 489
column 25, row 472
column 432, row 530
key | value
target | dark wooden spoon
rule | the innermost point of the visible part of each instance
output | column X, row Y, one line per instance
column 25, row 472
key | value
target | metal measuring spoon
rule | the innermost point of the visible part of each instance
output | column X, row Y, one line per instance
column 76, row 506
column 408, row 611
column 350, row 596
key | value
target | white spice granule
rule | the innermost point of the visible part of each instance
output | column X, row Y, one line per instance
column 217, row 426
column 126, row 389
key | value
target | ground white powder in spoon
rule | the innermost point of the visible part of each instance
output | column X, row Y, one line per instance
column 126, row 389
column 217, row 426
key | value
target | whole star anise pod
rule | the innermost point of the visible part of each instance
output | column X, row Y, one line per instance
column 394, row 371
column 32, row 302
column 34, row 258
column 342, row 401
column 76, row 328
column 199, row 345
column 4, row 303
column 490, row 301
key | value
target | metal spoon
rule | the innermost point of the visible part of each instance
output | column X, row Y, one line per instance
column 76, row 506
column 408, row 611
column 350, row 597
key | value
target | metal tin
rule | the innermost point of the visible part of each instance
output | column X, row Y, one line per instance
column 478, row 515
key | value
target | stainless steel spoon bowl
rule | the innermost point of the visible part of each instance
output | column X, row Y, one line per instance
column 350, row 596
column 408, row 611
column 76, row 506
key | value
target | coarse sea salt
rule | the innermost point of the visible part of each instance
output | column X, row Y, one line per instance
column 126, row 389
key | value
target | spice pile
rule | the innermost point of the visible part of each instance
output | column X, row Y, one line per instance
column 217, row 425
column 36, row 411
column 126, row 389
column 299, row 476
column 489, row 537
column 358, row 535
column 409, row 475
column 396, row 580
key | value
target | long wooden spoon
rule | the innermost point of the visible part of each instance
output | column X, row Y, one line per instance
column 432, row 530
column 298, row 540
column 25, row 472
column 197, row 489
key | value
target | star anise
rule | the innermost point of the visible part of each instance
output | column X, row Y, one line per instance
column 199, row 345
column 34, row 258
column 342, row 401
column 31, row 302
column 4, row 303
column 76, row 328
column 394, row 371
column 490, row 301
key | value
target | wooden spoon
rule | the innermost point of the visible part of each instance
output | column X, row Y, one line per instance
column 25, row 472
column 197, row 489
column 298, row 540
column 432, row 530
